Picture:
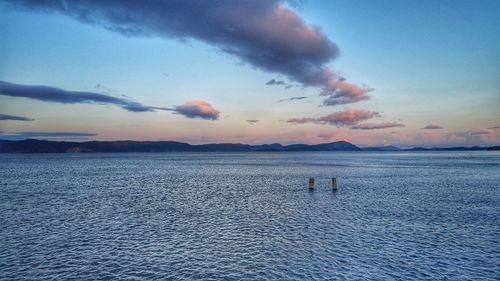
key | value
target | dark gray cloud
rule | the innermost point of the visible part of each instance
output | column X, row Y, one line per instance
column 51, row 94
column 276, row 82
column 197, row 109
column 432, row 127
column 45, row 135
column 6, row 117
column 264, row 33
column 252, row 121
column 378, row 126
column 493, row 128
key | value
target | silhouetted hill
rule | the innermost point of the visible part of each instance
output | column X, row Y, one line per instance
column 268, row 147
column 222, row 147
column 44, row 146
column 336, row 146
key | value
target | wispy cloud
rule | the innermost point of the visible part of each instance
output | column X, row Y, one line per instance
column 6, row 117
column 252, row 121
column 373, row 126
column 276, row 82
column 104, row 88
column 197, row 109
column 493, row 128
column 264, row 33
column 479, row 132
column 52, row 94
column 346, row 117
column 292, row 99
column 45, row 135
column 432, row 127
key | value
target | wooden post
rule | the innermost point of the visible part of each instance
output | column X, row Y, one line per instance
column 311, row 184
column 334, row 184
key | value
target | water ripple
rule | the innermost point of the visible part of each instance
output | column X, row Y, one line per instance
column 249, row 216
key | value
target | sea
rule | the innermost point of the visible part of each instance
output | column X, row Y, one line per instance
column 250, row 216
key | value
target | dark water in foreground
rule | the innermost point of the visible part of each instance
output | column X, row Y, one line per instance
column 411, row 216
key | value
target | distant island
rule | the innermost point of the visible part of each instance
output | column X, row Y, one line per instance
column 45, row 146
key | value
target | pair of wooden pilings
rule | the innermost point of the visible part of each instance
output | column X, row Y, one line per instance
column 334, row 184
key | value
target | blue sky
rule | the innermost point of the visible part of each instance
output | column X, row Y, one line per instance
column 428, row 62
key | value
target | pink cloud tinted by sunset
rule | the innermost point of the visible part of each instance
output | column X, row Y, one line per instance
column 346, row 117
column 197, row 109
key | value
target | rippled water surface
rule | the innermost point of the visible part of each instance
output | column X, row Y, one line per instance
column 232, row 216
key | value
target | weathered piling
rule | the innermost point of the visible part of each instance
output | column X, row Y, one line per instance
column 334, row 183
column 311, row 184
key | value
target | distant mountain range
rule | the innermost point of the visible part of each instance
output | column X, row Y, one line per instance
column 44, row 146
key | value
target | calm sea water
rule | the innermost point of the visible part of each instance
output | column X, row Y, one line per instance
column 232, row 216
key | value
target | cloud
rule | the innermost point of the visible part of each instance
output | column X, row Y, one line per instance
column 493, row 128
column 276, row 82
column 432, row 127
column 51, row 94
column 191, row 109
column 6, row 117
column 45, row 135
column 252, row 121
column 104, row 88
column 292, row 99
column 263, row 33
column 279, row 83
column 346, row 117
column 479, row 132
column 197, row 109
column 372, row 126
column 344, row 93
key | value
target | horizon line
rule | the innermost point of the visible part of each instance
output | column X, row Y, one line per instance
column 260, row 144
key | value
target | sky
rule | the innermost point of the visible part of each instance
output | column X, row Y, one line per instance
column 403, row 73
